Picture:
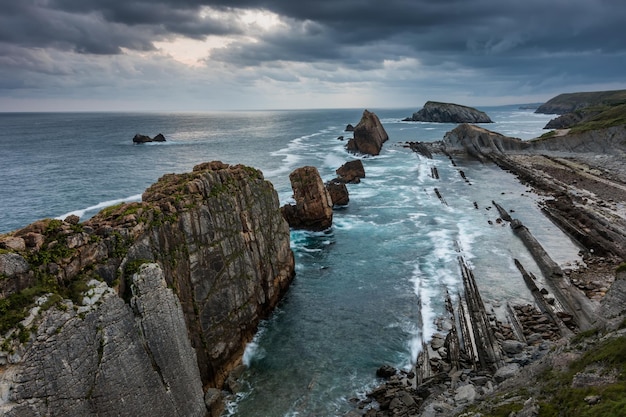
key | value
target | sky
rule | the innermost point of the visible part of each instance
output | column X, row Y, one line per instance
column 199, row 55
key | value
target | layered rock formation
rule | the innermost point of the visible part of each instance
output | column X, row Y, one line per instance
column 107, row 341
column 313, row 209
column 369, row 135
column 448, row 113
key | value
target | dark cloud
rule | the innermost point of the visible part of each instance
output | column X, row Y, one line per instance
column 514, row 44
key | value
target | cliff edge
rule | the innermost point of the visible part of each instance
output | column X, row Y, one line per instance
column 137, row 310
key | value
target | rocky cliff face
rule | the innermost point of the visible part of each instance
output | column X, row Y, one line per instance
column 217, row 257
column 449, row 113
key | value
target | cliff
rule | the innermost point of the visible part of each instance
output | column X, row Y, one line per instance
column 136, row 310
column 449, row 113
column 570, row 102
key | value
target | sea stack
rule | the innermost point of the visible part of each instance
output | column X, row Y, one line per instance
column 314, row 206
column 369, row 135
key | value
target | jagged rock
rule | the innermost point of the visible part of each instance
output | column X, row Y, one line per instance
column 218, row 236
column 448, row 113
column 349, row 128
column 338, row 193
column 369, row 135
column 386, row 371
column 351, row 172
column 139, row 138
column 112, row 349
column 613, row 305
column 314, row 206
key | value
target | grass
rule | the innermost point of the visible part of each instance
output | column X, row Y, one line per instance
column 559, row 398
column 608, row 116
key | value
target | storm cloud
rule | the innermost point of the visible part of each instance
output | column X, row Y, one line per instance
column 214, row 54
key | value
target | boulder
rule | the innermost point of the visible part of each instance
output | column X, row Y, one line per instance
column 349, row 128
column 351, row 171
column 369, row 135
column 314, row 206
column 338, row 192
column 448, row 113
column 139, row 138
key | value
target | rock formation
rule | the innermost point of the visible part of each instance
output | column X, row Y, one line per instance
column 448, row 113
column 369, row 135
column 351, row 172
column 313, row 209
column 144, row 304
column 338, row 192
column 145, row 139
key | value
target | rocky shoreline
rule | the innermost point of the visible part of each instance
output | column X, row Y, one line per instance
column 475, row 360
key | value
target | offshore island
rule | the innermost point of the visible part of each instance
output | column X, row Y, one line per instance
column 154, row 302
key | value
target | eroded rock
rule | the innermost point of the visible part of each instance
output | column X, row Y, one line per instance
column 313, row 209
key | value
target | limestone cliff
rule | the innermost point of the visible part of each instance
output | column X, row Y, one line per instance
column 218, row 261
column 448, row 113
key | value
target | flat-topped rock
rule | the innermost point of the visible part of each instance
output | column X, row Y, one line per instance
column 448, row 113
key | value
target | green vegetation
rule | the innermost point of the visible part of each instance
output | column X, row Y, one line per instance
column 621, row 268
column 569, row 102
column 605, row 117
column 559, row 398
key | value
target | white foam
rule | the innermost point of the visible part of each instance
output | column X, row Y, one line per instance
column 99, row 206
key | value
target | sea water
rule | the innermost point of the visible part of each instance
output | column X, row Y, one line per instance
column 368, row 290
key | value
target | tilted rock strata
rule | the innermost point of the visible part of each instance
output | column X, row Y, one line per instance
column 449, row 113
column 217, row 234
column 313, row 209
column 369, row 135
column 113, row 359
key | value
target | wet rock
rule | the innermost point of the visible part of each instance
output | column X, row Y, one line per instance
column 386, row 371
column 313, row 209
column 338, row 193
column 351, row 172
column 369, row 135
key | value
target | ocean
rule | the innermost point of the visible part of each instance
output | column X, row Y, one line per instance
column 367, row 291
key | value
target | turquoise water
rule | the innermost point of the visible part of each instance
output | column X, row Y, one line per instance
column 367, row 291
